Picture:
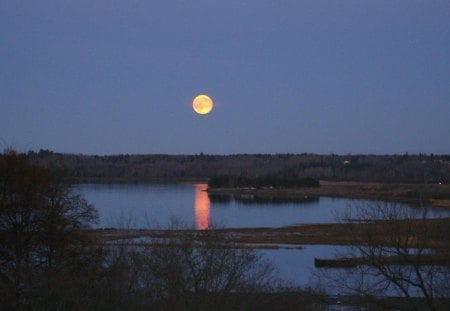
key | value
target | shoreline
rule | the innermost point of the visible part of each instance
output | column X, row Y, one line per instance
column 431, row 194
column 434, row 195
column 346, row 234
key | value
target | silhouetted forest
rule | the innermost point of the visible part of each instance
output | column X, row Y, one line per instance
column 418, row 168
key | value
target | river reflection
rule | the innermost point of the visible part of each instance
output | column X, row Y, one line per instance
column 144, row 206
column 202, row 207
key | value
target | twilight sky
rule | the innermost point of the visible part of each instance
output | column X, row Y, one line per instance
column 108, row 77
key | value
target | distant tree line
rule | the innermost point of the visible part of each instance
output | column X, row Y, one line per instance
column 272, row 181
column 406, row 168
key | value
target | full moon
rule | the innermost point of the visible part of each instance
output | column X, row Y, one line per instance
column 202, row 104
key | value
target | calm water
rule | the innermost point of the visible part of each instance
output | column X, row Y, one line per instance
column 154, row 206
column 296, row 267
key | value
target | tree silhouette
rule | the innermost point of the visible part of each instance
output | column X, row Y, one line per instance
column 40, row 222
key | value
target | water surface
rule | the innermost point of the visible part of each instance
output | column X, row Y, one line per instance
column 155, row 205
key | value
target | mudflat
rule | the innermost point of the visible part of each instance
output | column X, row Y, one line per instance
column 437, row 231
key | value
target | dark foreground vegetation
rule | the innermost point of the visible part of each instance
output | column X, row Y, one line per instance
column 49, row 260
column 391, row 251
column 417, row 169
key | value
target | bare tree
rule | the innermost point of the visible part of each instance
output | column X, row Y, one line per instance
column 397, row 251
column 200, row 270
column 40, row 222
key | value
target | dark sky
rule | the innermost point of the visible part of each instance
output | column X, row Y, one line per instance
column 108, row 77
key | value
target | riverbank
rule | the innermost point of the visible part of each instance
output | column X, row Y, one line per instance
column 436, row 232
column 430, row 194
column 313, row 234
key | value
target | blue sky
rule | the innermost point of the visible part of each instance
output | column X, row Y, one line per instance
column 108, row 77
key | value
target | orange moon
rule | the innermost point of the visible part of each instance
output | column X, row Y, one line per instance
column 202, row 104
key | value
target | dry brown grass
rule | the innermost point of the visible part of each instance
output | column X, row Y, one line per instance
column 437, row 231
